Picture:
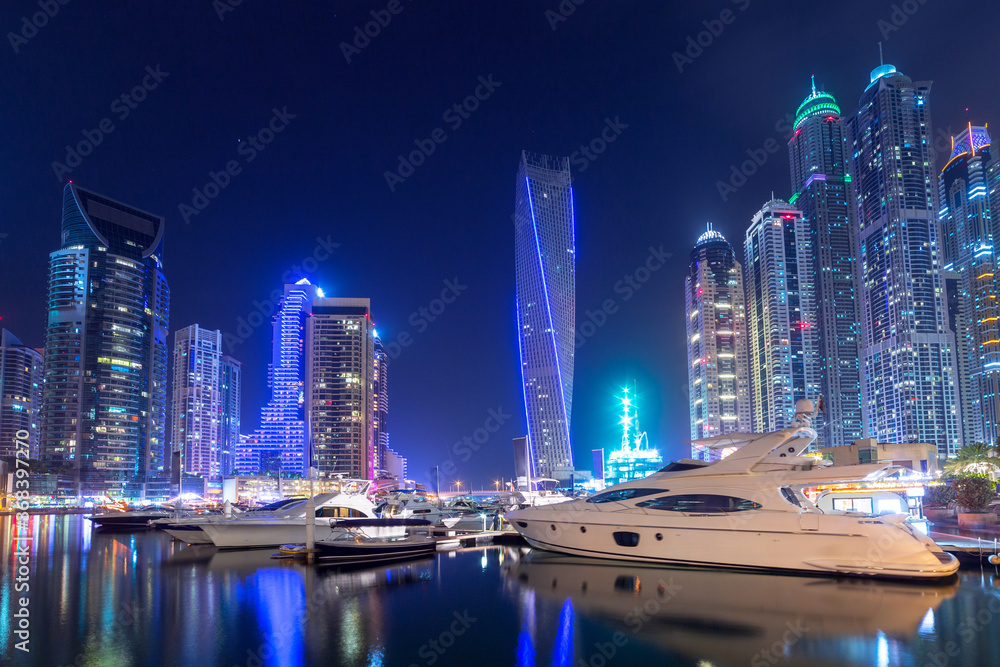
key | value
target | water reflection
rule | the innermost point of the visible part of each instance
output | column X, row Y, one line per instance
column 733, row 617
column 109, row 599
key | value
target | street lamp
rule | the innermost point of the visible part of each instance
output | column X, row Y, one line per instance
column 458, row 486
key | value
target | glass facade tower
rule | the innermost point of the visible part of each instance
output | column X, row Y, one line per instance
column 545, row 275
column 718, row 373
column 205, row 408
column 822, row 185
column 781, row 314
column 968, row 245
column 20, row 394
column 105, row 370
column 908, row 361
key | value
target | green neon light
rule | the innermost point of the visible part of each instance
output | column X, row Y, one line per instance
column 791, row 200
column 821, row 107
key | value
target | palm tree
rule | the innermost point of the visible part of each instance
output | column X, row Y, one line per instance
column 977, row 459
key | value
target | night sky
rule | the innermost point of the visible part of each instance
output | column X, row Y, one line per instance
column 216, row 78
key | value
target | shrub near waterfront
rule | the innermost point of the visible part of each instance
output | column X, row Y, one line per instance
column 974, row 494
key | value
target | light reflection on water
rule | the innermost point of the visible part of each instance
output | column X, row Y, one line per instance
column 108, row 599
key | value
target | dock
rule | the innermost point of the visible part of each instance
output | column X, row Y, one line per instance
column 452, row 539
column 968, row 550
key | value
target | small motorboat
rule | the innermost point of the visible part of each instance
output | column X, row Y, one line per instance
column 129, row 519
column 376, row 540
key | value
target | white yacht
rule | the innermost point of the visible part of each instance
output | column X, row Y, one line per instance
column 289, row 526
column 189, row 529
column 746, row 510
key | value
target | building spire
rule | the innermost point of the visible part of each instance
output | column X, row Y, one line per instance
column 814, row 84
column 881, row 60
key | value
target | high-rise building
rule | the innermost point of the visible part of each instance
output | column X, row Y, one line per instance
column 322, row 406
column 908, row 361
column 279, row 445
column 717, row 360
column 545, row 274
column 20, row 395
column 340, row 360
column 105, row 385
column 781, row 314
column 821, row 184
column 968, row 249
column 205, row 416
column 380, row 405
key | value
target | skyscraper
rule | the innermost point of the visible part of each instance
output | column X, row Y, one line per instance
column 20, row 394
column 781, row 314
column 340, row 353
column 545, row 275
column 280, row 442
column 205, row 414
column 909, row 389
column 380, row 405
column 104, row 393
column 968, row 249
column 718, row 371
column 822, row 185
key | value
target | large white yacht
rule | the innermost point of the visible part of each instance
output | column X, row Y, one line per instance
column 746, row 510
column 290, row 526
column 188, row 529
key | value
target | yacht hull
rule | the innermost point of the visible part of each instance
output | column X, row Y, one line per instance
column 250, row 534
column 845, row 546
column 191, row 534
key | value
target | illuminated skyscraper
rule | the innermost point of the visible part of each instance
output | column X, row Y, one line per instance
column 340, row 354
column 205, row 417
column 822, row 186
column 908, row 360
column 20, row 394
column 968, row 249
column 280, row 442
column 781, row 315
column 104, row 393
column 380, row 405
column 718, row 374
column 545, row 274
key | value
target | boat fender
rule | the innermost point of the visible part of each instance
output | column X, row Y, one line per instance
column 994, row 559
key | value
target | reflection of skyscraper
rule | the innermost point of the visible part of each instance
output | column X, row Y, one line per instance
column 781, row 314
column 20, row 394
column 545, row 274
column 820, row 181
column 968, row 249
column 205, row 408
column 104, row 397
column 718, row 375
column 907, row 350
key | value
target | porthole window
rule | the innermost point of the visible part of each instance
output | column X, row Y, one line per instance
column 626, row 539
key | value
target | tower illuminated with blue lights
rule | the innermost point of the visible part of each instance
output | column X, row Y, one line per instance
column 908, row 361
column 545, row 274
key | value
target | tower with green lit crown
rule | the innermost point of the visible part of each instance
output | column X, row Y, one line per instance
column 822, row 191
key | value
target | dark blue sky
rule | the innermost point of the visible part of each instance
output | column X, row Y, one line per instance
column 323, row 175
